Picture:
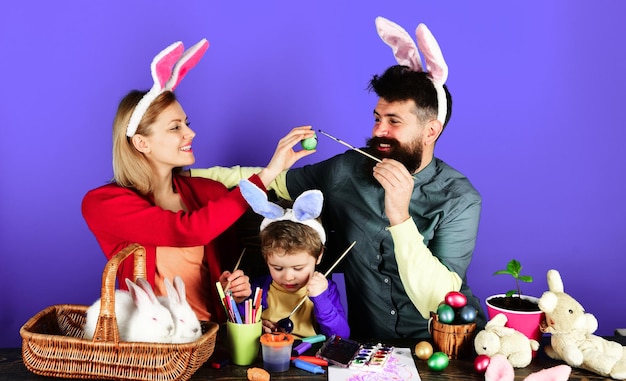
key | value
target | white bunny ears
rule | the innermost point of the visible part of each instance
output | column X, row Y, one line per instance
column 168, row 68
column 306, row 208
column 407, row 54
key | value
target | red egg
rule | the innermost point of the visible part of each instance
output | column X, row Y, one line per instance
column 455, row 299
column 481, row 362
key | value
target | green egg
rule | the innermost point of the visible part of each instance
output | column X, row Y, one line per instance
column 445, row 313
column 438, row 361
column 309, row 143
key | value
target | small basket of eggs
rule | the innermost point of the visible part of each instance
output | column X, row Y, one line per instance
column 453, row 326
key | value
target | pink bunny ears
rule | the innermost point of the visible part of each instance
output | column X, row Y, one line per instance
column 168, row 68
column 407, row 54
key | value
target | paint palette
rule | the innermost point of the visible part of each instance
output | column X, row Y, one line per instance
column 351, row 354
column 371, row 357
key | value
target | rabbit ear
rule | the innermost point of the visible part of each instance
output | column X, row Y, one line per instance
column 401, row 43
column 435, row 64
column 139, row 296
column 179, row 285
column 258, row 200
column 147, row 288
column 172, row 294
column 436, row 67
column 499, row 369
column 168, row 68
column 308, row 205
column 162, row 63
column 190, row 58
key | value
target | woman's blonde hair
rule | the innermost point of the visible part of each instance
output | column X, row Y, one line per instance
column 130, row 167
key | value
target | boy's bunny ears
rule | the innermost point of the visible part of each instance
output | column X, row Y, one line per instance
column 407, row 54
column 168, row 68
column 306, row 208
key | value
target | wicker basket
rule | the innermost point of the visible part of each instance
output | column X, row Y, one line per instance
column 455, row 340
column 53, row 344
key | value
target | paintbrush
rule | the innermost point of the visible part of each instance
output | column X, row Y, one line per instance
column 351, row 146
column 235, row 269
column 286, row 323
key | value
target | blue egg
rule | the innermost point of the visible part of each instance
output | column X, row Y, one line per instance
column 467, row 314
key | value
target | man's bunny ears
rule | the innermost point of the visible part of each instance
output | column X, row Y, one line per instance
column 306, row 208
column 407, row 54
column 168, row 68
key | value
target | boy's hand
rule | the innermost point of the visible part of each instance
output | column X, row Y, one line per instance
column 268, row 326
column 317, row 284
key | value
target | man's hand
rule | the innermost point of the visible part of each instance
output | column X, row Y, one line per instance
column 398, row 185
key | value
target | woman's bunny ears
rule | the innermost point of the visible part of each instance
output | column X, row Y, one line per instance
column 407, row 54
column 168, row 68
column 306, row 208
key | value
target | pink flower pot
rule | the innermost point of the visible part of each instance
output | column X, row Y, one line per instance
column 525, row 322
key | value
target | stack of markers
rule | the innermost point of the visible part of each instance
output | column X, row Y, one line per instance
column 252, row 307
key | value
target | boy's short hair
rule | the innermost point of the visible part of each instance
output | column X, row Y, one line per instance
column 288, row 237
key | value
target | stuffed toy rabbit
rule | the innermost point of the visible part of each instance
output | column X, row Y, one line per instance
column 572, row 333
column 186, row 323
column 140, row 317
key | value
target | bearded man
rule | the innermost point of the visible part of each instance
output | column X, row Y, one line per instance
column 413, row 217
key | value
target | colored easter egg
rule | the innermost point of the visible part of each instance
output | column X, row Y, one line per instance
column 423, row 350
column 467, row 314
column 309, row 143
column 445, row 313
column 481, row 362
column 438, row 361
column 455, row 299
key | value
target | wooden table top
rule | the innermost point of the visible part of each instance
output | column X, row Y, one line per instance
column 12, row 368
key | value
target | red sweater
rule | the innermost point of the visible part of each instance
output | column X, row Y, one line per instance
column 119, row 216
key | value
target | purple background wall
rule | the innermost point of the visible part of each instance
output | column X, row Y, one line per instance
column 537, row 125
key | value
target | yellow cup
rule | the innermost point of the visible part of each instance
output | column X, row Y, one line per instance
column 243, row 342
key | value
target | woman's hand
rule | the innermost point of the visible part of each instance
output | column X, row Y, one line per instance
column 284, row 155
column 239, row 284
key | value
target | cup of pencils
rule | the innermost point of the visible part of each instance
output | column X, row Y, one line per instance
column 244, row 326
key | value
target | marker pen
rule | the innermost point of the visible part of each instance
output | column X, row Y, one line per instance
column 300, row 349
column 314, row 339
column 312, row 359
column 308, row 366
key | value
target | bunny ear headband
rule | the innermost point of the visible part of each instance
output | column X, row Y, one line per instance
column 168, row 68
column 407, row 54
column 306, row 208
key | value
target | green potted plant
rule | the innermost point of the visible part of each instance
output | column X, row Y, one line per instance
column 522, row 311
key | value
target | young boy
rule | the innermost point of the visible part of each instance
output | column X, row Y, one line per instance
column 292, row 244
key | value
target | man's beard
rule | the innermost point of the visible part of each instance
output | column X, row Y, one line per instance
column 409, row 155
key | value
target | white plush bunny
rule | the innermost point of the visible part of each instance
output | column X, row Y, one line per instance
column 186, row 324
column 139, row 314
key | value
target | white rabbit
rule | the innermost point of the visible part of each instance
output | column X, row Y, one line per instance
column 124, row 307
column 186, row 323
column 144, row 319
